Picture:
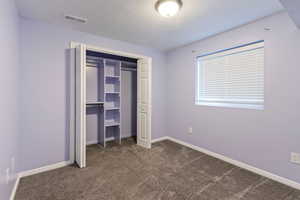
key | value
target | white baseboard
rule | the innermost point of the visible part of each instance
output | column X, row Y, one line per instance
column 14, row 191
column 160, row 139
column 261, row 172
column 107, row 139
column 92, row 142
column 256, row 170
column 45, row 168
column 36, row 171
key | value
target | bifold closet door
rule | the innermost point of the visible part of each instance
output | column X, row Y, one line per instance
column 80, row 139
column 144, row 103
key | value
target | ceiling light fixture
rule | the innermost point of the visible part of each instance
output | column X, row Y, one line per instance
column 168, row 8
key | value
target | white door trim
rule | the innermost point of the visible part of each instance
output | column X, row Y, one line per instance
column 118, row 53
column 80, row 139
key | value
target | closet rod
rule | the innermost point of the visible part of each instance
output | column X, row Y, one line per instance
column 128, row 69
column 129, row 63
column 94, row 58
column 92, row 66
column 93, row 63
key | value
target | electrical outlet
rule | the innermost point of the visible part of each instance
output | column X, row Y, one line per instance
column 295, row 158
column 190, row 131
column 7, row 175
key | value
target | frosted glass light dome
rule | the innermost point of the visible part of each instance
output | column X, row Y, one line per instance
column 168, row 8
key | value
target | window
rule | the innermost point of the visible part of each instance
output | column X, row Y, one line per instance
column 232, row 77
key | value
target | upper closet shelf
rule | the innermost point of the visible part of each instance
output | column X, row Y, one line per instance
column 95, row 103
column 112, row 108
column 108, row 92
column 112, row 76
column 93, row 62
column 107, row 124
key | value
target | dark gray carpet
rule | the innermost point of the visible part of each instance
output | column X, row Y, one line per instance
column 166, row 172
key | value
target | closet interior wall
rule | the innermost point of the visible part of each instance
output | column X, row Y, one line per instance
column 129, row 99
column 94, row 93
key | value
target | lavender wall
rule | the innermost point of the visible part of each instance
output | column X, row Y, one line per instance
column 9, row 52
column 263, row 139
column 292, row 7
column 44, row 84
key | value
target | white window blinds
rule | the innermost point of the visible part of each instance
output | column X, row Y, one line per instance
column 233, row 77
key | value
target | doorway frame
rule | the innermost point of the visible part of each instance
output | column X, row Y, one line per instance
column 72, row 122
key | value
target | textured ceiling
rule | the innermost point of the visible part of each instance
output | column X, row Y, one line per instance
column 136, row 21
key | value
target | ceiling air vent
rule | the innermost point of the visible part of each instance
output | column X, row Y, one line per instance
column 75, row 18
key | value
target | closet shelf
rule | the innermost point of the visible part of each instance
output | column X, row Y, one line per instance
column 112, row 76
column 112, row 92
column 108, row 124
column 95, row 103
column 112, row 108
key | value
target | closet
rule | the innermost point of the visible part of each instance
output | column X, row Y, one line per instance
column 111, row 98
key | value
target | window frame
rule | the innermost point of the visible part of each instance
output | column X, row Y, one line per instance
column 241, row 103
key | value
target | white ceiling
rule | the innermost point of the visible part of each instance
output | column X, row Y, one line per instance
column 136, row 21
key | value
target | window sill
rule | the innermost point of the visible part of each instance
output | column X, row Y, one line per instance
column 231, row 105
